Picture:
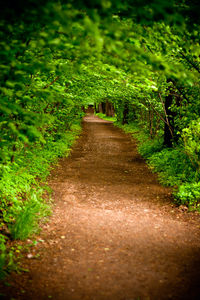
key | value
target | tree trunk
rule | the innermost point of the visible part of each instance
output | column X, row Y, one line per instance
column 103, row 104
column 109, row 109
column 151, row 122
column 96, row 108
column 100, row 108
column 125, row 114
column 168, row 129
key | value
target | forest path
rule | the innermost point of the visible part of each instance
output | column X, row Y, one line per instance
column 114, row 234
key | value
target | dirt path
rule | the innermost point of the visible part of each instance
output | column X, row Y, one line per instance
column 114, row 234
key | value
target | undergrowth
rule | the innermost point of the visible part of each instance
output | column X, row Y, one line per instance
column 104, row 117
column 25, row 198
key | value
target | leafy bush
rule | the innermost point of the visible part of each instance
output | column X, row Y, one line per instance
column 104, row 117
column 173, row 166
column 191, row 139
column 150, row 147
column 27, row 220
column 131, row 128
column 189, row 194
column 2, row 255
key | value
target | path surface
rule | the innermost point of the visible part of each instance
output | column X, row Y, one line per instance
column 114, row 234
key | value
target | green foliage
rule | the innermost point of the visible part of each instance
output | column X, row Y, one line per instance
column 173, row 166
column 148, row 147
column 191, row 139
column 104, row 117
column 8, row 257
column 189, row 194
column 30, row 165
column 27, row 219
column 2, row 255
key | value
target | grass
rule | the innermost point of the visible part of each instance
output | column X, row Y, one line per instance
column 104, row 117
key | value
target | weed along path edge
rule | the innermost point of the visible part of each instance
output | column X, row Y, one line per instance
column 114, row 233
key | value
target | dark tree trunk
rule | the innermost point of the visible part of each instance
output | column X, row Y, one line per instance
column 96, row 108
column 90, row 109
column 125, row 114
column 83, row 109
column 109, row 109
column 14, row 149
column 100, row 108
column 112, row 111
column 103, row 104
column 150, row 117
column 169, row 125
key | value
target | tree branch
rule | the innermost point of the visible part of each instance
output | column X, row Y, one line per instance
column 52, row 82
column 157, row 113
column 166, row 116
column 190, row 62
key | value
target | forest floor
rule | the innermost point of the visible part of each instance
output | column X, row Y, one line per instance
column 114, row 233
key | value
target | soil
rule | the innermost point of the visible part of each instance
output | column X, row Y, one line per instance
column 115, row 233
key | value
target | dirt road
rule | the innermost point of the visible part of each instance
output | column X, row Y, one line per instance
column 114, row 233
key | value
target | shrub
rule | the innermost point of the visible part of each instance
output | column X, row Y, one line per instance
column 104, row 117
column 191, row 139
column 26, row 222
column 189, row 194
column 2, row 255
column 173, row 166
column 149, row 147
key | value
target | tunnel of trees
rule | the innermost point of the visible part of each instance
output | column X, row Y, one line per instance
column 137, row 60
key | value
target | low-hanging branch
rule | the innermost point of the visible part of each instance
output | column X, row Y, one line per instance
column 52, row 82
column 190, row 62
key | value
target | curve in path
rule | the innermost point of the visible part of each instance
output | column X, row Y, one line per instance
column 114, row 234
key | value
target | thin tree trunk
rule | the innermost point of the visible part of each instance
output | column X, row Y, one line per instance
column 168, row 128
column 103, row 107
column 125, row 114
